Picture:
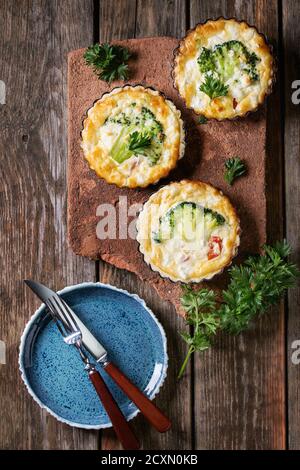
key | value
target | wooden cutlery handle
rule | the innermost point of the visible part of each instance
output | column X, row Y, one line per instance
column 121, row 426
column 148, row 409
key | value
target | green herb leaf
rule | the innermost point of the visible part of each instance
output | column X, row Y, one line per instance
column 254, row 286
column 213, row 87
column 234, row 167
column 108, row 61
column 139, row 141
column 200, row 307
column 133, row 143
column 202, row 119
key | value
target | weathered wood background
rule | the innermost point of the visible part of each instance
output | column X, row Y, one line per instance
column 243, row 394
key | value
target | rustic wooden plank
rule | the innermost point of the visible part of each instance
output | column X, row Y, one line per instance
column 117, row 19
column 239, row 385
column 154, row 18
column 291, row 39
column 157, row 18
column 35, row 37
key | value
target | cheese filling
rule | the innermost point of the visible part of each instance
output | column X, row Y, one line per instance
column 227, row 69
column 133, row 133
column 189, row 232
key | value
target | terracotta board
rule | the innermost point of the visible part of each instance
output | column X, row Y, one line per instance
column 208, row 146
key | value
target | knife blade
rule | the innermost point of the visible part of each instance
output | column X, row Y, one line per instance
column 89, row 341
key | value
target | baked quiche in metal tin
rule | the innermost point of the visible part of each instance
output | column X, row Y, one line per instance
column 133, row 136
column 223, row 69
column 188, row 231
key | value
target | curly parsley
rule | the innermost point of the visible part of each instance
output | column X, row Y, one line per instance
column 254, row 286
column 109, row 62
column 234, row 168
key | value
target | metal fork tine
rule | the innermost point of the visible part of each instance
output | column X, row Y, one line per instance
column 69, row 331
column 51, row 308
column 61, row 326
column 62, row 313
column 66, row 312
column 69, row 313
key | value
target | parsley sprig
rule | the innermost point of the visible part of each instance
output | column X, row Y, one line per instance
column 254, row 286
column 108, row 61
column 213, row 87
column 202, row 315
column 135, row 143
column 202, row 119
column 139, row 141
column 234, row 167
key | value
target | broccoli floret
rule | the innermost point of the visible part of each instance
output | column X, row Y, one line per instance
column 240, row 48
column 206, row 60
column 120, row 149
column 219, row 219
column 135, row 143
column 241, row 53
column 147, row 114
column 136, row 127
column 212, row 219
column 218, row 65
column 187, row 214
column 219, row 61
column 167, row 223
column 150, row 122
column 121, row 119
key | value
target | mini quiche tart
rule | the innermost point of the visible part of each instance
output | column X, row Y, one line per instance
column 133, row 136
column 188, row 231
column 223, row 69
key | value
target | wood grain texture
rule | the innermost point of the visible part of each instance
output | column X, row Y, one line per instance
column 239, row 385
column 156, row 18
column 291, row 36
column 236, row 398
column 35, row 37
column 117, row 19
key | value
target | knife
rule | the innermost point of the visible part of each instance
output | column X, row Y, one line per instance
column 89, row 341
column 154, row 415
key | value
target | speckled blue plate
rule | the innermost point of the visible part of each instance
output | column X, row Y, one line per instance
column 54, row 374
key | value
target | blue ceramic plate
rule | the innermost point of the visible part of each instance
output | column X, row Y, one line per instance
column 53, row 371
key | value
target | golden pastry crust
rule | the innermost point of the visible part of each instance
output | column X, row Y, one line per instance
column 243, row 96
column 176, row 259
column 135, row 171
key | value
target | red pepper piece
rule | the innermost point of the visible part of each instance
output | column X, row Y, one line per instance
column 214, row 247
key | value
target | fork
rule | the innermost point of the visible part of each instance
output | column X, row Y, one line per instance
column 72, row 336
